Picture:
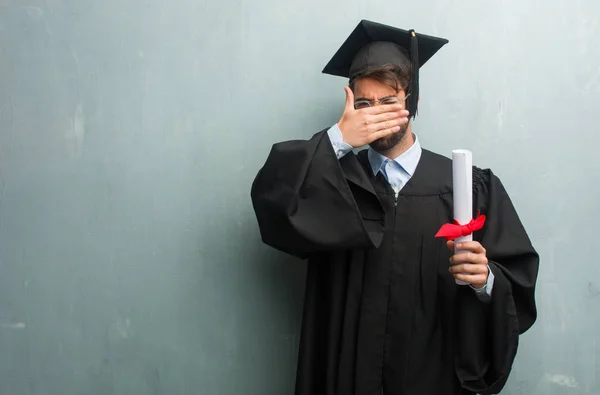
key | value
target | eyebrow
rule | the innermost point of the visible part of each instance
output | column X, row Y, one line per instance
column 383, row 98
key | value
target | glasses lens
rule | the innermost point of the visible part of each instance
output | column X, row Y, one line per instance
column 361, row 104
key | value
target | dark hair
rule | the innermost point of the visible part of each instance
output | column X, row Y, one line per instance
column 396, row 76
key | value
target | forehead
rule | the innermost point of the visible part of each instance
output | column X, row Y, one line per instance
column 372, row 89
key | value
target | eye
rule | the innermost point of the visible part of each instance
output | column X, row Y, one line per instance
column 390, row 100
column 361, row 104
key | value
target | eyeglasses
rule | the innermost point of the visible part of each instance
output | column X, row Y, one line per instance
column 360, row 104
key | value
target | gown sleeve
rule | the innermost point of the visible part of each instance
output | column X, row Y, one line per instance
column 307, row 201
column 488, row 334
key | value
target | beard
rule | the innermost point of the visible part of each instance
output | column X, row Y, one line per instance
column 387, row 143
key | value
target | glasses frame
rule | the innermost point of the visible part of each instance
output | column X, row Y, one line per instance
column 371, row 103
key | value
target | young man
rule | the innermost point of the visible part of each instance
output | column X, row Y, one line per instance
column 383, row 313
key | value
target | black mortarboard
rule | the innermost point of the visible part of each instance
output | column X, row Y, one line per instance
column 373, row 45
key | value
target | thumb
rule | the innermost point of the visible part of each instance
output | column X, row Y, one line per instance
column 349, row 98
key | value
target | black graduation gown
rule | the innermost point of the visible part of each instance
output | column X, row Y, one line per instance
column 382, row 314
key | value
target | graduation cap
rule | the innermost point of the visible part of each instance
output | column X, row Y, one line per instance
column 372, row 45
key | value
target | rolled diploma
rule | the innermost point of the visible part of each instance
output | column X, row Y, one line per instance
column 462, row 180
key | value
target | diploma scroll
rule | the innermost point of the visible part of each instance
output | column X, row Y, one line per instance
column 462, row 180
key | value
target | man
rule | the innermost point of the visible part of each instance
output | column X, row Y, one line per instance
column 383, row 313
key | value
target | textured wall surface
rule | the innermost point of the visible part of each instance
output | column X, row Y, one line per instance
column 130, row 131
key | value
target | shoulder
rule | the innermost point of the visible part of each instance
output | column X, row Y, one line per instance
column 318, row 136
column 484, row 177
column 481, row 177
column 487, row 185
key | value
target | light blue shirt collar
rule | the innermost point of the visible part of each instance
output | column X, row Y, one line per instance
column 408, row 160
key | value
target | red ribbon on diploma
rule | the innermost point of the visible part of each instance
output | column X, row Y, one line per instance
column 455, row 230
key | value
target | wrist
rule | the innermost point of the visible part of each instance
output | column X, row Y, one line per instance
column 342, row 127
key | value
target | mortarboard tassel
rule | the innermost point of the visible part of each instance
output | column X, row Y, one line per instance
column 413, row 100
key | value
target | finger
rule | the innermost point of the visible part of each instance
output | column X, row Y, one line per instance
column 382, row 109
column 467, row 268
column 387, row 116
column 450, row 245
column 382, row 133
column 349, row 99
column 471, row 278
column 468, row 257
column 386, row 125
column 473, row 246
